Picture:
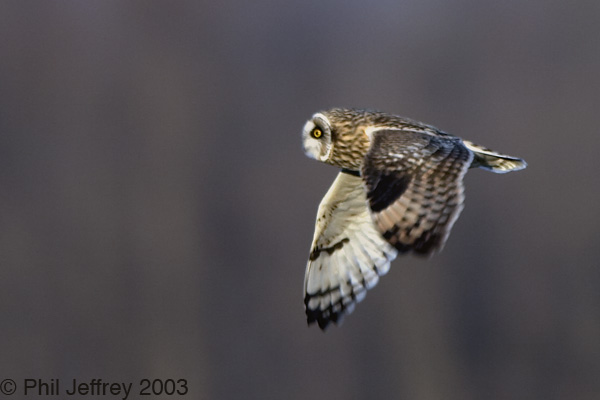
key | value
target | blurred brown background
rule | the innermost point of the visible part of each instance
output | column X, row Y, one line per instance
column 156, row 207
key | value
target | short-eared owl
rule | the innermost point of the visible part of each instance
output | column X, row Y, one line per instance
column 400, row 189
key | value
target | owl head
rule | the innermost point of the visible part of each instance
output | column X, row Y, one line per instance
column 338, row 136
column 316, row 137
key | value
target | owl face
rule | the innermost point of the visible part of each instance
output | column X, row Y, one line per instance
column 317, row 138
column 337, row 137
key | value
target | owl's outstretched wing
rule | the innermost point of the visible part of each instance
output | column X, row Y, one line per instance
column 414, row 182
column 348, row 254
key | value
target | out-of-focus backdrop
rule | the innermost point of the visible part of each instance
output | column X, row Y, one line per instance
column 156, row 207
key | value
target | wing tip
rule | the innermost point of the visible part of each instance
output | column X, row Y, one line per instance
column 323, row 318
column 491, row 160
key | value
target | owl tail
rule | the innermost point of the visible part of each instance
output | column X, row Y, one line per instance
column 493, row 161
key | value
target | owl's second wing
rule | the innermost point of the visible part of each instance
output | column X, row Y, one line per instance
column 347, row 256
column 414, row 186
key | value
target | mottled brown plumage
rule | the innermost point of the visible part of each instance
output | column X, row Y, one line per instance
column 400, row 189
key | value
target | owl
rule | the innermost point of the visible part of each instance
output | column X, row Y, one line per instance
column 400, row 190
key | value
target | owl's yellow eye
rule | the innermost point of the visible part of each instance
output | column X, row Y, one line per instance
column 317, row 133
